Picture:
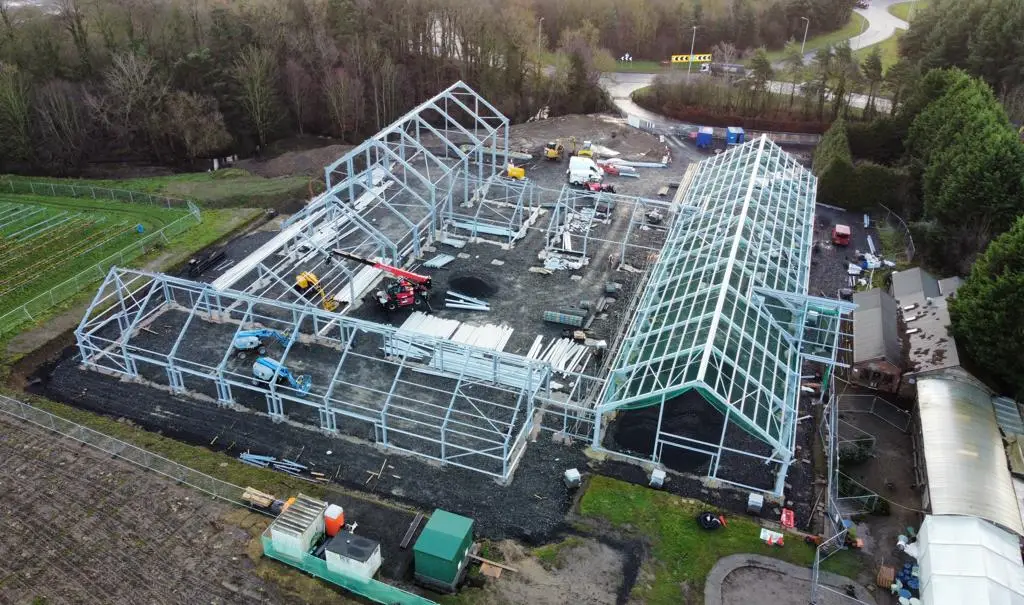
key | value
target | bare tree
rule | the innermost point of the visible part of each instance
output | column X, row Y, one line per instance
column 15, row 114
column 199, row 125
column 73, row 20
column 344, row 94
column 255, row 72
column 298, row 88
column 61, row 125
column 725, row 52
column 133, row 99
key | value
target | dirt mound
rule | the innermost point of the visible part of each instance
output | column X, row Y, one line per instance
column 473, row 285
column 309, row 162
column 602, row 129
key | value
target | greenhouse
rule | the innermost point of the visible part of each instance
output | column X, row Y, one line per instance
column 726, row 314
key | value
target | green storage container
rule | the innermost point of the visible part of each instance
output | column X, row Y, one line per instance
column 442, row 550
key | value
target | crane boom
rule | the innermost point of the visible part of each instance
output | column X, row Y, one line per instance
column 416, row 278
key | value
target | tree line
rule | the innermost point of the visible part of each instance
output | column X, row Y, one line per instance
column 168, row 81
column 816, row 92
column 952, row 164
column 656, row 29
column 981, row 37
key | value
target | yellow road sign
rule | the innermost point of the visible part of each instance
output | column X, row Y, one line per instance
column 691, row 58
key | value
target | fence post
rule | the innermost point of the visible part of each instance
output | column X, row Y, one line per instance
column 93, row 190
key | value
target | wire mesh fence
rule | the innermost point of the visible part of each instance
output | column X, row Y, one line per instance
column 96, row 193
column 897, row 224
column 121, row 449
column 59, row 293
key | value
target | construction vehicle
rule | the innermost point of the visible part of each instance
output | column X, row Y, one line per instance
column 265, row 368
column 252, row 340
column 587, row 151
column 307, row 280
column 841, row 235
column 406, row 290
column 515, row 172
column 595, row 185
column 554, row 150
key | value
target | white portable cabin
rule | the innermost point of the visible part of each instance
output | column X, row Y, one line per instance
column 298, row 527
column 353, row 556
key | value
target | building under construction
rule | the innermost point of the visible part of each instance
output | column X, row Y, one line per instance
column 603, row 318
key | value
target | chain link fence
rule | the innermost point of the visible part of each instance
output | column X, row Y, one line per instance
column 123, row 450
column 897, row 224
column 70, row 287
column 88, row 191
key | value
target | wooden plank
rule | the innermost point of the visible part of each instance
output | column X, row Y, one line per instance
column 411, row 531
column 494, row 563
column 491, row 571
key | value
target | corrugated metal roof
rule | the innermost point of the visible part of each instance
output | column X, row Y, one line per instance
column 1008, row 415
column 911, row 282
column 876, row 327
column 963, row 452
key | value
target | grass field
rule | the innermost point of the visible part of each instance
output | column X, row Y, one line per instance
column 682, row 552
column 890, row 49
column 44, row 241
column 852, row 29
column 224, row 188
column 904, row 10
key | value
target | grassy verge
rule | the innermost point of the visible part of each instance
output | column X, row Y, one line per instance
column 683, row 553
column 550, row 555
column 907, row 10
column 853, row 28
column 889, row 48
column 224, row 188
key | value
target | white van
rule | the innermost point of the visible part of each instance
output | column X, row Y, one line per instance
column 583, row 170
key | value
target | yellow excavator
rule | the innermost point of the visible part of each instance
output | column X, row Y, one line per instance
column 307, row 280
column 554, row 150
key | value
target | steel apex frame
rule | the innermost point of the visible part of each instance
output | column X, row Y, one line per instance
column 726, row 310
column 437, row 399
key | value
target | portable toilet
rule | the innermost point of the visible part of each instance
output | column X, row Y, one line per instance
column 442, row 550
column 705, row 137
column 734, row 135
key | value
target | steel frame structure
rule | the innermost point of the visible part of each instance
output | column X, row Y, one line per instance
column 726, row 310
column 574, row 202
column 452, row 403
column 385, row 199
column 498, row 208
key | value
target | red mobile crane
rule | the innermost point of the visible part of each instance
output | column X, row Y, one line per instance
column 407, row 290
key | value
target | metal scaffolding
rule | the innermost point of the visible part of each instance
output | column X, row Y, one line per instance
column 726, row 312
column 431, row 397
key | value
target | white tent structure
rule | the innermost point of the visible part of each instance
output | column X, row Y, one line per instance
column 969, row 560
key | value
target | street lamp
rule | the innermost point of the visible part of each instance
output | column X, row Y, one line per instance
column 689, row 64
column 806, row 27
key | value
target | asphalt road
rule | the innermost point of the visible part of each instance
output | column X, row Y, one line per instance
column 881, row 25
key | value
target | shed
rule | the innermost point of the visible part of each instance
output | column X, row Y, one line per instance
column 353, row 556
column 734, row 135
column 442, row 550
column 913, row 282
column 968, row 560
column 877, row 347
column 297, row 527
column 705, row 137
